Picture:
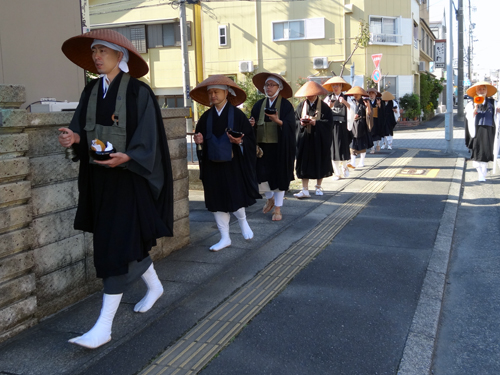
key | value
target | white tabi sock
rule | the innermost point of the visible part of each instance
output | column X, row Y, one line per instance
column 336, row 168
column 222, row 220
column 345, row 169
column 362, row 159
column 481, row 168
column 383, row 143
column 484, row 168
column 242, row 220
column 155, row 290
column 353, row 160
column 100, row 333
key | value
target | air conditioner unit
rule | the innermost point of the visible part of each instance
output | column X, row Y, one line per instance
column 246, row 66
column 421, row 66
column 53, row 106
column 320, row 63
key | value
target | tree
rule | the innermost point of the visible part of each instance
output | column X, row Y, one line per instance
column 430, row 88
column 253, row 95
column 360, row 41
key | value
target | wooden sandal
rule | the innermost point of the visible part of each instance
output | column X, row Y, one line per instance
column 268, row 206
column 277, row 216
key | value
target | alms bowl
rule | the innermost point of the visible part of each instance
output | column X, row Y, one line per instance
column 101, row 155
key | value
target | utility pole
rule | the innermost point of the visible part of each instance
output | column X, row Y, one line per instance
column 469, row 52
column 448, row 130
column 185, row 64
column 184, row 49
column 460, row 101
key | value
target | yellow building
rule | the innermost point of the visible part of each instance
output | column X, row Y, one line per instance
column 297, row 39
column 312, row 39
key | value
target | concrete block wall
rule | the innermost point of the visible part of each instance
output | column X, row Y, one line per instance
column 18, row 301
column 46, row 265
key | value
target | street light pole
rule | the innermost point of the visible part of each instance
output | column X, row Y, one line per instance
column 460, row 101
column 449, row 81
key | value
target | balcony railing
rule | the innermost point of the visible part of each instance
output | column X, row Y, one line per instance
column 386, row 38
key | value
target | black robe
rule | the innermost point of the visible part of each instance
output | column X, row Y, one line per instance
column 361, row 137
column 314, row 160
column 228, row 185
column 276, row 164
column 389, row 121
column 126, row 208
column 341, row 136
column 376, row 131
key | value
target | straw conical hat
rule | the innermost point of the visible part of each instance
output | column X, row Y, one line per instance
column 471, row 91
column 77, row 49
column 375, row 91
column 386, row 95
column 357, row 90
column 260, row 79
column 311, row 88
column 329, row 84
column 199, row 93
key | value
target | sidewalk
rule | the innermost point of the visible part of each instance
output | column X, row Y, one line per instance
column 350, row 282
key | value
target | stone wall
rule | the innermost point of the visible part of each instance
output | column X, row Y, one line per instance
column 46, row 265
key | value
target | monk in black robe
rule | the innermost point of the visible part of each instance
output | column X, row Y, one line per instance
column 343, row 116
column 126, row 200
column 361, row 137
column 314, row 138
column 227, row 153
column 274, row 124
column 377, row 116
column 481, row 127
column 389, row 113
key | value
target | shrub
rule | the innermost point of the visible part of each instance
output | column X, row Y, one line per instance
column 411, row 105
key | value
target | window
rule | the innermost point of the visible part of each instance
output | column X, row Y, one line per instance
column 389, row 84
column 385, row 30
column 136, row 34
column 167, row 35
column 170, row 101
column 223, row 35
column 288, row 30
column 311, row 28
column 138, row 38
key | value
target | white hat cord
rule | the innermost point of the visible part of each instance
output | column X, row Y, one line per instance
column 280, row 86
column 222, row 87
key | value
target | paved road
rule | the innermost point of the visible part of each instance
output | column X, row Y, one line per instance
column 348, row 283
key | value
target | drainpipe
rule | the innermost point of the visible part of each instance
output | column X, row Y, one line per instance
column 258, row 25
column 198, row 42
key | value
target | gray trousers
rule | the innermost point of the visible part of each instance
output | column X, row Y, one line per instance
column 119, row 284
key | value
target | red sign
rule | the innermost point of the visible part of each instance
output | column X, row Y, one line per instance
column 376, row 76
column 376, row 59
